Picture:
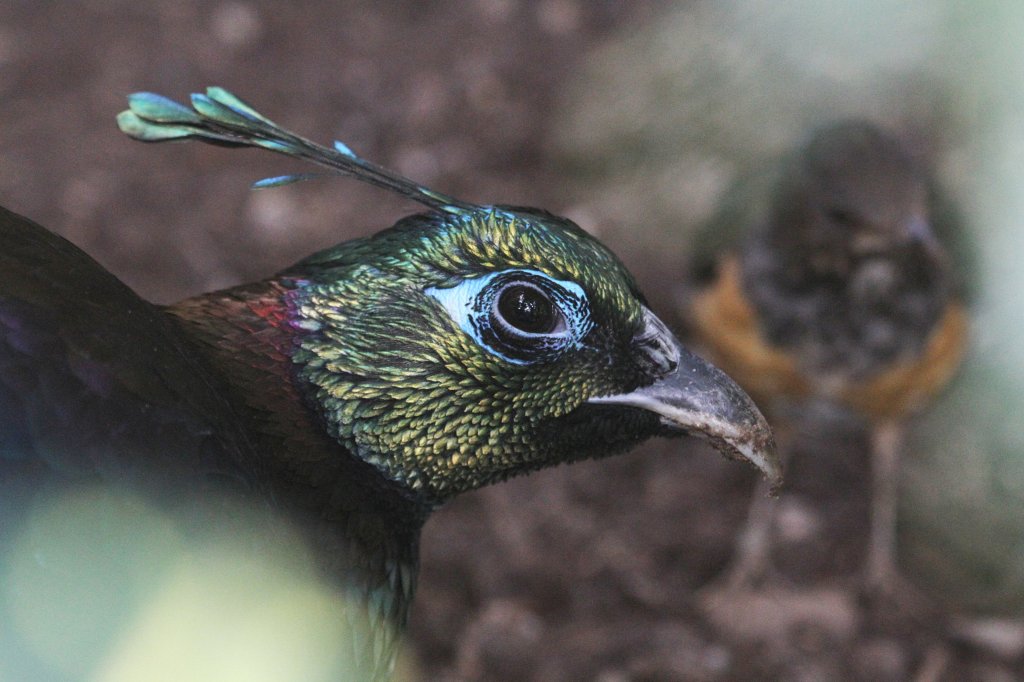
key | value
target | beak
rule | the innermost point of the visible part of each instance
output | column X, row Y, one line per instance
column 693, row 397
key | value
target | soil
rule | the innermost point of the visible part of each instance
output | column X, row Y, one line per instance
column 600, row 571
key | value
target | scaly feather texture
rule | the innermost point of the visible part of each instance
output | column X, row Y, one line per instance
column 353, row 392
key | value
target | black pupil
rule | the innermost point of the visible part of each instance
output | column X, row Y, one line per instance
column 527, row 309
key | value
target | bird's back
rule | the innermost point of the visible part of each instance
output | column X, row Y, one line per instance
column 96, row 382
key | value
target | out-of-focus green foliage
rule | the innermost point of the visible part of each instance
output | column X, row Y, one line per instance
column 962, row 515
column 963, row 509
column 238, row 600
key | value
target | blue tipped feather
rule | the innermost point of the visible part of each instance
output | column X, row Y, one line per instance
column 231, row 101
column 222, row 118
column 218, row 112
column 279, row 146
column 136, row 127
column 343, row 148
column 157, row 108
column 282, row 180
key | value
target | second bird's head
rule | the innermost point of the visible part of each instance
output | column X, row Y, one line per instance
column 472, row 343
column 853, row 192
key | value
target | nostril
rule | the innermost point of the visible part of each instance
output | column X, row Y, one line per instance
column 659, row 357
column 655, row 347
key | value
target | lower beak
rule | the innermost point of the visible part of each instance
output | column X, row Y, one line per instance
column 693, row 397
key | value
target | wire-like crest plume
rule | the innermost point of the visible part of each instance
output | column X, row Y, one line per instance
column 219, row 117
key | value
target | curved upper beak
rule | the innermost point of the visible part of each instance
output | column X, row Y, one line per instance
column 694, row 397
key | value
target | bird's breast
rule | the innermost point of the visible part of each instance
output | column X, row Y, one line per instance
column 729, row 326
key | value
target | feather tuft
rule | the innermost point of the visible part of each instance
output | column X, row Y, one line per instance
column 220, row 117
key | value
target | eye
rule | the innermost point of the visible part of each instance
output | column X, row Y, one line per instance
column 522, row 316
column 526, row 308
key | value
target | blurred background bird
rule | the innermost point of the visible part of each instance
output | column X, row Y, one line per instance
column 353, row 393
column 827, row 287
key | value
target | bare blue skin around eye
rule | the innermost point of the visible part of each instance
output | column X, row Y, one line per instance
column 469, row 305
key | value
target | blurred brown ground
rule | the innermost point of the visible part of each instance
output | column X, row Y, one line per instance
column 586, row 572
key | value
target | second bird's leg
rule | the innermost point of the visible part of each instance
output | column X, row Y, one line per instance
column 886, row 444
column 883, row 582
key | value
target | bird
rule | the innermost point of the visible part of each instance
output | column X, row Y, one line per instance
column 353, row 392
column 829, row 286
